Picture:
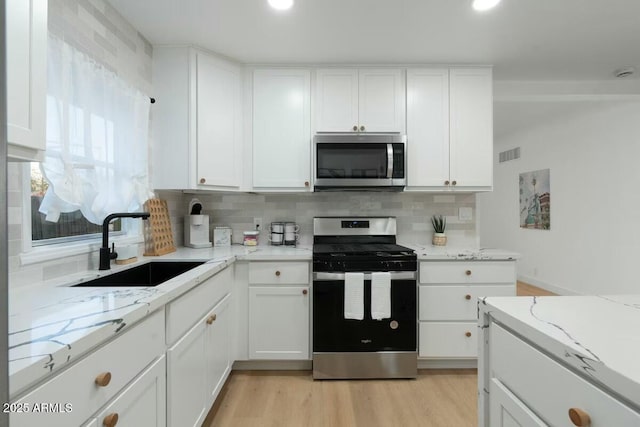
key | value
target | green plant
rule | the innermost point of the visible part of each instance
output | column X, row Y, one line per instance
column 439, row 223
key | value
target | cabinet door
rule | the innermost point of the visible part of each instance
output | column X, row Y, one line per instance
column 381, row 100
column 217, row 347
column 279, row 322
column 471, row 141
column 336, row 100
column 427, row 127
column 143, row 402
column 26, row 35
column 219, row 131
column 508, row 411
column 186, row 376
column 281, row 129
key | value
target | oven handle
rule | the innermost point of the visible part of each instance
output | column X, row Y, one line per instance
column 395, row 275
column 389, row 161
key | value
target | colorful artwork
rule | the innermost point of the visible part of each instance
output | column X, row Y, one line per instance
column 535, row 200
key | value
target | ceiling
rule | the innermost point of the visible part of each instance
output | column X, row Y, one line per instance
column 523, row 39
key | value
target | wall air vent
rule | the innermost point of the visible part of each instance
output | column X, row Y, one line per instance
column 512, row 154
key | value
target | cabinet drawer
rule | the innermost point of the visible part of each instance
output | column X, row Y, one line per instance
column 185, row 311
column 124, row 358
column 531, row 376
column 456, row 302
column 467, row 272
column 448, row 339
column 273, row 273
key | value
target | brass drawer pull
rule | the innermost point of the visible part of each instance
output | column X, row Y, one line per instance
column 467, row 334
column 278, row 273
column 110, row 420
column 468, row 272
column 304, row 292
column 579, row 418
column 103, row 379
column 467, row 297
column 202, row 181
column 211, row 319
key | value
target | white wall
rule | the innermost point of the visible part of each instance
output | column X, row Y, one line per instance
column 592, row 147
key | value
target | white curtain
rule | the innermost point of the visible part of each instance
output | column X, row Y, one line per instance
column 97, row 138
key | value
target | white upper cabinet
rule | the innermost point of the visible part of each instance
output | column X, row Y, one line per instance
column 365, row 100
column 197, row 120
column 26, row 37
column 471, row 141
column 450, row 129
column 427, row 127
column 281, row 129
column 219, row 127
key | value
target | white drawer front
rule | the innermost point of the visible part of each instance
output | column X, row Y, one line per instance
column 456, row 302
column 124, row 358
column 273, row 273
column 467, row 272
column 532, row 376
column 448, row 339
column 185, row 311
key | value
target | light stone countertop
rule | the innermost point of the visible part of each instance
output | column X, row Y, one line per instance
column 427, row 252
column 52, row 324
column 595, row 335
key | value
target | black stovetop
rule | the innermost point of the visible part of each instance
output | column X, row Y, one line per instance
column 373, row 249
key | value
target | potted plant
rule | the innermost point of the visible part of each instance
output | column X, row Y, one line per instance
column 439, row 224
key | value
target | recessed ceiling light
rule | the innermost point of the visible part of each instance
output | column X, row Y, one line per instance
column 482, row 5
column 281, row 4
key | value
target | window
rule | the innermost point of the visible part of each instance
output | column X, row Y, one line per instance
column 97, row 149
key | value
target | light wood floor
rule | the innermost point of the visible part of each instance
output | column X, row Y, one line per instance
column 437, row 398
column 524, row 289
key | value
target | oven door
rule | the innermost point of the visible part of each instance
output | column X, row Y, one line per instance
column 333, row 333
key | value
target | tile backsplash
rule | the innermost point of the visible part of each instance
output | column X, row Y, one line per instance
column 412, row 210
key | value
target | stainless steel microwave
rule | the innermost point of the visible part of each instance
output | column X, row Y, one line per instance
column 365, row 162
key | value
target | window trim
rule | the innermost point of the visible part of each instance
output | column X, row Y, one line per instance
column 33, row 254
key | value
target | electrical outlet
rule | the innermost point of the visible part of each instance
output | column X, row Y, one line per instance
column 257, row 224
column 465, row 214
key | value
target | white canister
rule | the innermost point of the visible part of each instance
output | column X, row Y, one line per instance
column 222, row 236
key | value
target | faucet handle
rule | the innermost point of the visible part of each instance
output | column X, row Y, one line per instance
column 113, row 254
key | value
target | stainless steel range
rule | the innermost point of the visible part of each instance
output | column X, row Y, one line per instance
column 364, row 300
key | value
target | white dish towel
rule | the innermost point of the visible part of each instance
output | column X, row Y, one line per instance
column 354, row 296
column 380, row 295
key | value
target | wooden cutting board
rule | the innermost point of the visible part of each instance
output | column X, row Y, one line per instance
column 158, row 237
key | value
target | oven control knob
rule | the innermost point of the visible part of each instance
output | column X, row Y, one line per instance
column 393, row 324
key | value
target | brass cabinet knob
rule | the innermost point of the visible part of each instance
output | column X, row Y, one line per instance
column 355, row 128
column 454, row 182
column 361, row 128
column 304, row 292
column 306, row 183
column 103, row 379
column 468, row 272
column 110, row 420
column 467, row 334
column 446, row 183
column 211, row 319
column 202, row 180
column 579, row 417
column 278, row 273
column 467, row 296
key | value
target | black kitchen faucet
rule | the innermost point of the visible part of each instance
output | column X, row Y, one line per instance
column 107, row 254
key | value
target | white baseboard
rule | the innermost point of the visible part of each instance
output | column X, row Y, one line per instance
column 447, row 363
column 546, row 286
column 272, row 365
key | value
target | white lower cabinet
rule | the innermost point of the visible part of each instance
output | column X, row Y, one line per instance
column 197, row 366
column 524, row 377
column 279, row 322
column 279, row 310
column 508, row 411
column 448, row 303
column 100, row 378
column 142, row 403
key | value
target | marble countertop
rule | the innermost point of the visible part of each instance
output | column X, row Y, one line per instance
column 52, row 324
column 596, row 335
column 444, row 253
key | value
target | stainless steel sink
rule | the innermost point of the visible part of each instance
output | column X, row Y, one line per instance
column 150, row 274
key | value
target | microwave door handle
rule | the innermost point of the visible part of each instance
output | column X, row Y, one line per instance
column 389, row 161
